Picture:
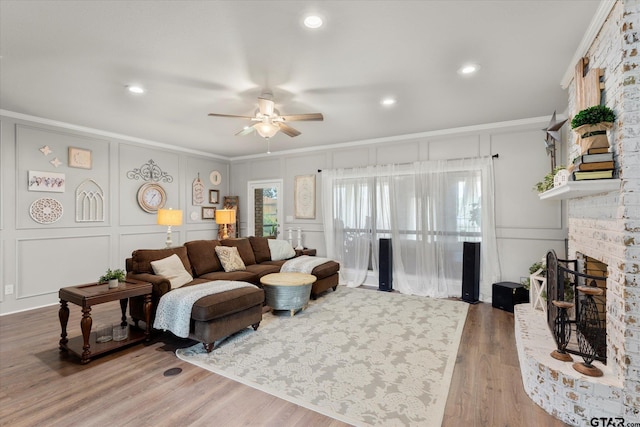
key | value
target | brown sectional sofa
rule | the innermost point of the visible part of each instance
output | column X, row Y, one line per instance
column 223, row 314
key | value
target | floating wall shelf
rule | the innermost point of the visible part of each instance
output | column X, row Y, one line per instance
column 575, row 189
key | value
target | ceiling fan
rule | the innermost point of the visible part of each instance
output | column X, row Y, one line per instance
column 269, row 121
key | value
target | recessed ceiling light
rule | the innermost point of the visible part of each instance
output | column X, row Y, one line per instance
column 388, row 101
column 313, row 21
column 135, row 89
column 468, row 69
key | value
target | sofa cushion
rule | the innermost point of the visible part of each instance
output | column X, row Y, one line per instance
column 173, row 269
column 263, row 269
column 260, row 247
column 244, row 248
column 202, row 255
column 242, row 276
column 230, row 258
column 280, row 249
column 141, row 258
column 226, row 303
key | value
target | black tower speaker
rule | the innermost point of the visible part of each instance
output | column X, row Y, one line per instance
column 471, row 272
column 385, row 273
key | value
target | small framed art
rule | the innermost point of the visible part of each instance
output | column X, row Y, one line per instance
column 214, row 197
column 208, row 212
column 79, row 158
column 46, row 181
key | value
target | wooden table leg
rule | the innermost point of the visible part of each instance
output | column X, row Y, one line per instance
column 123, row 307
column 85, row 325
column 63, row 315
column 147, row 316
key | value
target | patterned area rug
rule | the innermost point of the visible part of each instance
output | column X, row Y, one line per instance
column 360, row 356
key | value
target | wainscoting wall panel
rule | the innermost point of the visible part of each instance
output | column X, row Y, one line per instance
column 455, row 146
column 29, row 141
column 44, row 268
column 526, row 227
column 38, row 259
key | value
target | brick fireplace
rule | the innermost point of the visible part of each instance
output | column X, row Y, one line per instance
column 606, row 228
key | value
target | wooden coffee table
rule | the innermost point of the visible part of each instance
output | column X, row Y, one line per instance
column 91, row 294
column 287, row 291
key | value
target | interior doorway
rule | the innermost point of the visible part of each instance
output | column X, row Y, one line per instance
column 265, row 208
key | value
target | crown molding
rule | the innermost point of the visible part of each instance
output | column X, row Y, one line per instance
column 488, row 127
column 107, row 134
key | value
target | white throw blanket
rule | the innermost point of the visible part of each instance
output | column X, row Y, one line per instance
column 302, row 264
column 174, row 309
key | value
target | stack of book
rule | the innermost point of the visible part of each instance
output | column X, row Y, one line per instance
column 596, row 164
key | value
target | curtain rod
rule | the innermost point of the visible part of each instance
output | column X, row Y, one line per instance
column 493, row 156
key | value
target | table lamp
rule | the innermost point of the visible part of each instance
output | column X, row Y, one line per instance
column 225, row 217
column 169, row 217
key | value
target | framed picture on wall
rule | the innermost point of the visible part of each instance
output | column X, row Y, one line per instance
column 79, row 158
column 214, row 197
column 46, row 181
column 304, row 197
column 208, row 212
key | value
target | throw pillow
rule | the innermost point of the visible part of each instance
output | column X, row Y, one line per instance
column 280, row 249
column 173, row 269
column 260, row 248
column 230, row 258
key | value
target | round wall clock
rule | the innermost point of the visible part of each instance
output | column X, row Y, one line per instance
column 151, row 197
column 215, row 177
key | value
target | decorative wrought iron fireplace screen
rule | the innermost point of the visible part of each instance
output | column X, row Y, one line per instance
column 589, row 313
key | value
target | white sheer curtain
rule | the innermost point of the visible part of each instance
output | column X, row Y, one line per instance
column 347, row 212
column 428, row 209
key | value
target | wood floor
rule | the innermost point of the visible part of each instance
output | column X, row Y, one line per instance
column 40, row 386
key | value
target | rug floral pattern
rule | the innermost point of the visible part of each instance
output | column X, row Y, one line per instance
column 360, row 356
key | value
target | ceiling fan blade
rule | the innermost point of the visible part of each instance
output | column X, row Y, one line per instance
column 265, row 106
column 300, row 117
column 246, row 131
column 230, row 115
column 288, row 130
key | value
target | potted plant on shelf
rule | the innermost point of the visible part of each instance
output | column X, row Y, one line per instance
column 591, row 125
column 113, row 277
column 547, row 181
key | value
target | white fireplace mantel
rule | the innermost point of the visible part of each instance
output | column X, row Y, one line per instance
column 575, row 189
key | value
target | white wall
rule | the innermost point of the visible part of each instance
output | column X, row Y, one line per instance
column 526, row 226
column 38, row 259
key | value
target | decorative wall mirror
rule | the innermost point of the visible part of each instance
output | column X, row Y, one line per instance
column 265, row 208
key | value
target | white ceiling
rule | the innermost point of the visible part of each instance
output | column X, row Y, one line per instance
column 70, row 61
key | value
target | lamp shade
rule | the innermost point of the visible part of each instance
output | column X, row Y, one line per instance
column 169, row 217
column 225, row 216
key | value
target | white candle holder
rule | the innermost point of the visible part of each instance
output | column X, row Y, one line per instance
column 299, row 247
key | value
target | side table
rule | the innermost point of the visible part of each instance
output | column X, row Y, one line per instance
column 305, row 251
column 92, row 294
column 287, row 291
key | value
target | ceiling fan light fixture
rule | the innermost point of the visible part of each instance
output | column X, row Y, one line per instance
column 313, row 21
column 267, row 129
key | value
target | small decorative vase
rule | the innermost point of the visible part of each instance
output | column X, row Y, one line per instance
column 593, row 136
column 113, row 283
